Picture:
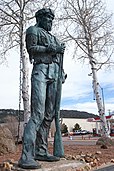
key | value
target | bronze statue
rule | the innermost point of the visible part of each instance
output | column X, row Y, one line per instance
column 45, row 52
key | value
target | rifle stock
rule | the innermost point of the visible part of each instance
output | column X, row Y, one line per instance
column 58, row 144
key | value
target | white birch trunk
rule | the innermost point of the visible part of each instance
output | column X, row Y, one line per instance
column 101, row 109
column 25, row 87
column 25, row 73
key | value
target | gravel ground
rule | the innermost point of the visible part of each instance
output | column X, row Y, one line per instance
column 105, row 156
column 73, row 147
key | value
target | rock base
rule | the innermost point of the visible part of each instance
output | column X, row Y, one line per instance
column 62, row 165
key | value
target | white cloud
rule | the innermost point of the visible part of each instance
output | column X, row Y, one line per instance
column 78, row 82
column 88, row 106
column 78, row 86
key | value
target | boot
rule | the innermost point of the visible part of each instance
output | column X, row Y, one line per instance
column 41, row 149
column 27, row 158
column 47, row 157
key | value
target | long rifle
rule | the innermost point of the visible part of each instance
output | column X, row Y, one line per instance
column 58, row 149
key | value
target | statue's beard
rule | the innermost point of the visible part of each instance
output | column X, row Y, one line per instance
column 46, row 25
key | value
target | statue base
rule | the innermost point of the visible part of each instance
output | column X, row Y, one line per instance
column 62, row 165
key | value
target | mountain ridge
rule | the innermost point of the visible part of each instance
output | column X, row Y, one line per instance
column 63, row 114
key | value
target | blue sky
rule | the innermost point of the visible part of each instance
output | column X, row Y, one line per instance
column 77, row 93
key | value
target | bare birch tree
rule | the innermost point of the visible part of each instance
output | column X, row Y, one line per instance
column 89, row 27
column 15, row 16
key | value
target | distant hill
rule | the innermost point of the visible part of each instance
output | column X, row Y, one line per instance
column 63, row 113
column 10, row 112
column 76, row 114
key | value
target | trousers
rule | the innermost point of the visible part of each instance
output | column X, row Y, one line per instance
column 43, row 99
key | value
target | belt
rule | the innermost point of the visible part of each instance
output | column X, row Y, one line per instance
column 45, row 59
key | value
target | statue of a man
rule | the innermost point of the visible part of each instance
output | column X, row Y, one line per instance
column 44, row 52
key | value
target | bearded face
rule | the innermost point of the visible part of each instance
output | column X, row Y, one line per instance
column 46, row 22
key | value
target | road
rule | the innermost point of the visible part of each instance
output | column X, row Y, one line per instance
column 108, row 168
column 77, row 140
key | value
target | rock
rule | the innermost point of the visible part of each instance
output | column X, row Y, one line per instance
column 89, row 154
column 7, row 166
column 112, row 160
column 105, row 141
column 88, row 159
column 82, row 155
column 62, row 158
column 7, row 144
column 98, row 159
column 70, row 157
column 73, row 158
column 104, row 146
column 95, row 161
column 87, row 167
column 78, row 157
column 98, row 152
column 82, row 159
column 79, row 169
column 93, row 164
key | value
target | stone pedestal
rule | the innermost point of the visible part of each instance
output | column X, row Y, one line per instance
column 62, row 165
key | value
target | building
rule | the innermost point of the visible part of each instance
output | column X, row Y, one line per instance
column 84, row 124
column 98, row 126
column 71, row 117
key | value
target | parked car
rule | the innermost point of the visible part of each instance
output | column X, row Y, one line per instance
column 65, row 134
column 84, row 132
column 80, row 132
column 77, row 132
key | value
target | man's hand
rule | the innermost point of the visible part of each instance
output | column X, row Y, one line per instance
column 58, row 49
column 61, row 49
column 51, row 49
